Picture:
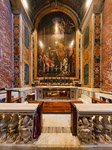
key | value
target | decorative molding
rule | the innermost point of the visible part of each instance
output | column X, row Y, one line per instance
column 86, row 18
column 17, row 9
column 77, row 46
column 58, row 8
column 87, row 55
column 16, row 29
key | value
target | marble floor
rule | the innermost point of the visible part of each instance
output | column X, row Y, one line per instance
column 65, row 141
column 36, row 147
column 56, row 135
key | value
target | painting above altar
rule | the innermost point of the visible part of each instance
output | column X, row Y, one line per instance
column 56, row 56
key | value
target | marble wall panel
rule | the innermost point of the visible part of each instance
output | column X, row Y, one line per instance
column 87, row 55
column 97, row 47
column 26, row 54
column 6, row 51
column 16, row 34
column 107, row 47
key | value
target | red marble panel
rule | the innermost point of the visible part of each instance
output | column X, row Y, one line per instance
column 16, row 31
column 107, row 47
column 6, row 62
column 97, row 44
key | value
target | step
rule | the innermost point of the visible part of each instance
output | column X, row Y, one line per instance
column 56, row 107
column 56, row 130
column 57, row 140
column 56, row 120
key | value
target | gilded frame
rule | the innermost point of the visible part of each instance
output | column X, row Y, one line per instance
column 73, row 16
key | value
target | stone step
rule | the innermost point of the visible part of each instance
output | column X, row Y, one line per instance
column 56, row 120
column 57, row 140
column 56, row 130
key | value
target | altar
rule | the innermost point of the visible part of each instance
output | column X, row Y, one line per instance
column 56, row 93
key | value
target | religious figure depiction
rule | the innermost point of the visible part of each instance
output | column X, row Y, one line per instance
column 56, row 46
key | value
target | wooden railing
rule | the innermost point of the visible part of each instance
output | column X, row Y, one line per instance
column 55, row 106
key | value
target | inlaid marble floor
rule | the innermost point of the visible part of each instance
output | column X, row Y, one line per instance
column 56, row 131
column 56, row 135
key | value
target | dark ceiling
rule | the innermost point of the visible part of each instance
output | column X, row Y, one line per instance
column 79, row 6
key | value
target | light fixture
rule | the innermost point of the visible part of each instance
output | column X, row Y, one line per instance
column 56, row 42
column 56, row 28
column 41, row 44
column 25, row 3
column 88, row 3
column 72, row 44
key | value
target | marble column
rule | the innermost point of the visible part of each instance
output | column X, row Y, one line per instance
column 16, row 40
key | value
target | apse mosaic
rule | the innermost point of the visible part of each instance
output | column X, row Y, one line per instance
column 56, row 46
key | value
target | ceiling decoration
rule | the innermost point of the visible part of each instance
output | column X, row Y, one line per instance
column 98, row 6
column 79, row 6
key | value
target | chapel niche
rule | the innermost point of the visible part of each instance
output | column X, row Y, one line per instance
column 56, row 46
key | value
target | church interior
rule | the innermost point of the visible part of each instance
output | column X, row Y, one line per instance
column 55, row 74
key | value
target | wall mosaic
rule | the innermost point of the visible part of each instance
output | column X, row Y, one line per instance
column 97, row 45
